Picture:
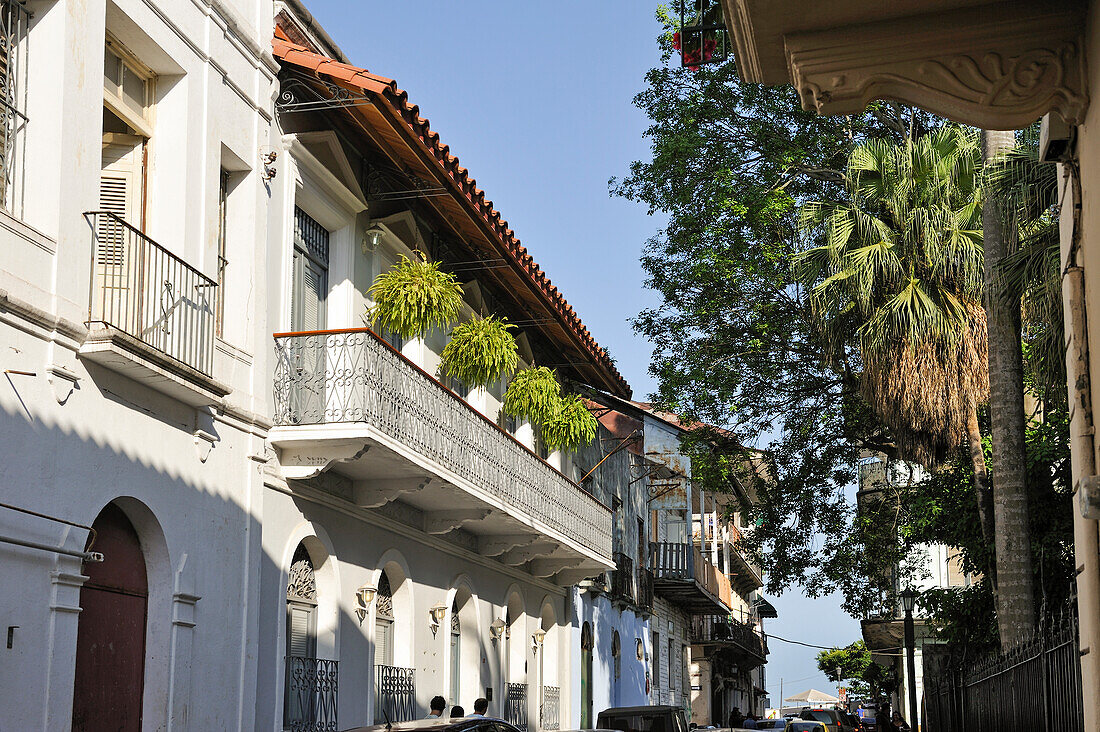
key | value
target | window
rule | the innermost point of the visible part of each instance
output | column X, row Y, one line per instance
column 301, row 632
column 383, row 623
column 656, row 661
column 310, row 287
column 13, row 88
column 127, row 129
column 671, row 655
column 223, row 196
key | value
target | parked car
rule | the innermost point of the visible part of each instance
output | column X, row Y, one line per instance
column 829, row 717
column 657, row 718
column 802, row 725
column 443, row 724
column 776, row 724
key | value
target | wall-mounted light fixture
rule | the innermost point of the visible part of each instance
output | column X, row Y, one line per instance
column 538, row 637
column 267, row 160
column 496, row 630
column 372, row 237
column 438, row 612
column 364, row 596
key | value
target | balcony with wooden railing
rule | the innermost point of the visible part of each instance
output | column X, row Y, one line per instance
column 724, row 631
column 682, row 574
column 346, row 401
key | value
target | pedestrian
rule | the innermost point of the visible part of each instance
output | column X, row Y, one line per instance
column 481, row 705
column 882, row 719
column 436, row 707
column 750, row 722
column 898, row 724
column 457, row 711
column 736, row 717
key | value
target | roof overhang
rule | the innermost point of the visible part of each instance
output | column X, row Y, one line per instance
column 378, row 108
column 993, row 65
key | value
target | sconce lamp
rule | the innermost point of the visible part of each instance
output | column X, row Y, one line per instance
column 438, row 612
column 372, row 237
column 364, row 596
column 496, row 630
column 538, row 637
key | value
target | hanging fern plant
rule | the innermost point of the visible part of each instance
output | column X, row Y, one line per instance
column 480, row 351
column 533, row 394
column 414, row 297
column 570, row 426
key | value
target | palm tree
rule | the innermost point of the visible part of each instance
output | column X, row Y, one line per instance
column 897, row 282
column 1014, row 591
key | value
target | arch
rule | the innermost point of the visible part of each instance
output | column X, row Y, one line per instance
column 396, row 569
column 327, row 576
column 587, row 645
column 126, row 617
column 515, row 637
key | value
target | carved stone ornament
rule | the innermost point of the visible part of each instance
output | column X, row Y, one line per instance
column 302, row 585
column 995, row 69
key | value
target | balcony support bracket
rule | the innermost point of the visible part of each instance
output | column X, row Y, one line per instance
column 443, row 522
column 494, row 546
column 302, row 463
column 376, row 493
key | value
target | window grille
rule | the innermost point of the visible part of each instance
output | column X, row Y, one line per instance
column 311, row 236
column 14, row 20
column 385, row 598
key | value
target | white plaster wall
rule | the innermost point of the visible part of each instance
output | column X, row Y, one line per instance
column 606, row 618
column 113, row 439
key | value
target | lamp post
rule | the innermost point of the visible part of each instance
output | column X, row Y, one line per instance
column 908, row 600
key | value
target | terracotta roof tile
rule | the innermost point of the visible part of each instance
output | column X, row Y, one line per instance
column 399, row 100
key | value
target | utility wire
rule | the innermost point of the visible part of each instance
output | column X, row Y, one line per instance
column 826, row 648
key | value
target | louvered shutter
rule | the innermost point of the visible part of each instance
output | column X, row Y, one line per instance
column 300, row 631
column 383, row 643
column 120, row 186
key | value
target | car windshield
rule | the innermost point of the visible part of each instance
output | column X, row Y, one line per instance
column 642, row 723
column 821, row 715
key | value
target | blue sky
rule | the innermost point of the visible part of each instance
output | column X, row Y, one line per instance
column 535, row 99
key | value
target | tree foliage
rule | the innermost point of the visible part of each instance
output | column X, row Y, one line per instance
column 852, row 665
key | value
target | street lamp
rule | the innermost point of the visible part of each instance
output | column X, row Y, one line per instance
column 908, row 601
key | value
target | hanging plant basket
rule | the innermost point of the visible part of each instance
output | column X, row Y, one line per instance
column 570, row 426
column 533, row 394
column 414, row 297
column 480, row 351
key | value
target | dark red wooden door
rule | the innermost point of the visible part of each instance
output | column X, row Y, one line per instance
column 110, row 644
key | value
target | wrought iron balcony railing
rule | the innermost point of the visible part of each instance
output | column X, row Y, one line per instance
column 724, row 630
column 548, row 713
column 394, row 694
column 142, row 289
column 515, row 705
column 347, row 376
column 311, row 689
column 622, row 578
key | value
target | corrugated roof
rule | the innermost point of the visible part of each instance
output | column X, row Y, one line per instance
column 448, row 165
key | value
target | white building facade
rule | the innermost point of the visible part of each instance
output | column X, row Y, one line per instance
column 228, row 505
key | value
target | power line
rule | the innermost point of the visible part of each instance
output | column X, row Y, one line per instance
column 827, row 648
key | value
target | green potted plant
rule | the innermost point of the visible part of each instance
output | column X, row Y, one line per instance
column 569, row 426
column 480, row 351
column 414, row 297
column 532, row 394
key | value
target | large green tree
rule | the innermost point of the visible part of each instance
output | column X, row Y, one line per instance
column 736, row 343
column 852, row 665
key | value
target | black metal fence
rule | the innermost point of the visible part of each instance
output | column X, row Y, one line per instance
column 644, row 600
column 311, row 687
column 622, row 578
column 394, row 695
column 1034, row 687
column 515, row 705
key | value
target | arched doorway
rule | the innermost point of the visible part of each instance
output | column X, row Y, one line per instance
column 586, row 676
column 110, row 641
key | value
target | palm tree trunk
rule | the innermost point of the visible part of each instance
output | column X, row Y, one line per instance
column 981, row 487
column 1015, row 590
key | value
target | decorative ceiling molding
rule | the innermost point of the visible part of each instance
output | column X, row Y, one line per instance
column 992, row 68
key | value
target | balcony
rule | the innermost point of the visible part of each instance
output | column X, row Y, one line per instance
column 721, row 630
column 644, row 600
column 348, row 403
column 622, row 579
column 150, row 314
column 311, row 690
column 683, row 575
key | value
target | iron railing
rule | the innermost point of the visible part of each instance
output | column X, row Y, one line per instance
column 311, row 690
column 14, row 22
column 644, row 600
column 515, row 705
column 548, row 712
column 142, row 289
column 335, row 377
column 725, row 630
column 622, row 578
column 1035, row 686
column 394, row 694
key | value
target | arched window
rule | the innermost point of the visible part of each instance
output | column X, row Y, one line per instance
column 383, row 623
column 586, row 676
column 301, row 606
column 456, row 653
column 616, row 667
